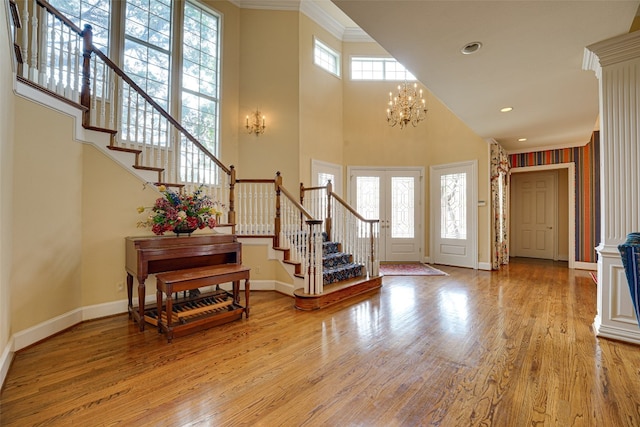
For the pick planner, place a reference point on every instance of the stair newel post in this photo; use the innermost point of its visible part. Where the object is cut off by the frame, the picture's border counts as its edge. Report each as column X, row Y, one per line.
column 374, row 254
column 276, row 230
column 328, row 221
column 85, row 93
column 313, row 281
column 302, row 194
column 232, row 199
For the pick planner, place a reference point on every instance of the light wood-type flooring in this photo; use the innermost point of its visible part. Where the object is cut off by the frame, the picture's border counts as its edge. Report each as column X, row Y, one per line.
column 475, row 348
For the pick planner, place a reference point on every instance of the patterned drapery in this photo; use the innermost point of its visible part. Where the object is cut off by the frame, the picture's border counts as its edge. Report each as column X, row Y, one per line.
column 499, row 205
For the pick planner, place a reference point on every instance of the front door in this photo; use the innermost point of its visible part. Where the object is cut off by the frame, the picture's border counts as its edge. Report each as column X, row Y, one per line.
column 454, row 214
column 394, row 197
column 533, row 226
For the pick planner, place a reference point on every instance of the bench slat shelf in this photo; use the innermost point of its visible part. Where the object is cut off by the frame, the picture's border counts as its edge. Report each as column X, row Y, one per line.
column 206, row 310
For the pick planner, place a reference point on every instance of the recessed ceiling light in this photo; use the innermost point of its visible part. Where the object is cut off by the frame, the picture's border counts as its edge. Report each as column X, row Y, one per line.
column 522, row 139
column 470, row 48
column 506, row 109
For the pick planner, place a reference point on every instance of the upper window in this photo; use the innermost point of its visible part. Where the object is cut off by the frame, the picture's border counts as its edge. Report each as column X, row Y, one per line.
column 364, row 68
column 326, row 58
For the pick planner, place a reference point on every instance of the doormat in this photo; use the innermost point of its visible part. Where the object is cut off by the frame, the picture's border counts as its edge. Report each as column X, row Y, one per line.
column 413, row 269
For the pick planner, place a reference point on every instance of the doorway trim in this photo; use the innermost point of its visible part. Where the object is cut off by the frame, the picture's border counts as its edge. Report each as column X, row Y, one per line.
column 571, row 180
column 473, row 215
column 421, row 192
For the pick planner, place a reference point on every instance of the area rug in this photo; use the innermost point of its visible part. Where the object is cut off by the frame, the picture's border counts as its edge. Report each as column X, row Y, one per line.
column 413, row 269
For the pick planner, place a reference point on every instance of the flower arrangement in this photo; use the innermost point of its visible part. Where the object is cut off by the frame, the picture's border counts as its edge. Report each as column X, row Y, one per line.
column 180, row 212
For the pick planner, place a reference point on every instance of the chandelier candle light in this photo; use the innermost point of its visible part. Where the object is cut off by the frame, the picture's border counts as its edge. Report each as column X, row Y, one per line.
column 408, row 107
column 255, row 124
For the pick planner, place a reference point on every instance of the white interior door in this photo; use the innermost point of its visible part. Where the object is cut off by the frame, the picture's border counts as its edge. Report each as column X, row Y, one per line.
column 533, row 226
column 394, row 197
column 454, row 214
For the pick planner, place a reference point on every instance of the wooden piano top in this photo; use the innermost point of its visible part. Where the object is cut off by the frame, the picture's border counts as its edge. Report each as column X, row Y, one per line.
column 153, row 254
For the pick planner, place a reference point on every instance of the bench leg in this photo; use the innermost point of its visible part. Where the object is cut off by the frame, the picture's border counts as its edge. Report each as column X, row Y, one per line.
column 169, row 308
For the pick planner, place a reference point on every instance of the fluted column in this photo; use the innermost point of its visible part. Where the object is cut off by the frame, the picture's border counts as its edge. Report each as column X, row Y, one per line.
column 616, row 62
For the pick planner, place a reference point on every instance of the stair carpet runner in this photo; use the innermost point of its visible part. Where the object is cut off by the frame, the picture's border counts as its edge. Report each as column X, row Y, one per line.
column 337, row 266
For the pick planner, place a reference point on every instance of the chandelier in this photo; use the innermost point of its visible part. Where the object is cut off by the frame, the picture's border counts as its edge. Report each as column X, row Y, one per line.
column 408, row 107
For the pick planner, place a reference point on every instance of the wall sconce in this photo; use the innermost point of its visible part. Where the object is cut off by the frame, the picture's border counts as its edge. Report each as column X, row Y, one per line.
column 255, row 123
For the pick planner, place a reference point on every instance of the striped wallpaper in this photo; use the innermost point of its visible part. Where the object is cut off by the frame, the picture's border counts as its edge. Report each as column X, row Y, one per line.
column 587, row 161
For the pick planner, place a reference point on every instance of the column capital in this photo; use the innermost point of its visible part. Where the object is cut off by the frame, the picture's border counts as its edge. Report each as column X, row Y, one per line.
column 611, row 51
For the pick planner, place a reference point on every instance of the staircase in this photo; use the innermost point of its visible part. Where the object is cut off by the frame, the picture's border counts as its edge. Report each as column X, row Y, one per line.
column 165, row 153
column 337, row 266
column 342, row 279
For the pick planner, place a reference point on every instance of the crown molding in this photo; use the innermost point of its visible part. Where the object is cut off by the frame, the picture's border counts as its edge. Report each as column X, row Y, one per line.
column 314, row 12
column 612, row 51
column 546, row 148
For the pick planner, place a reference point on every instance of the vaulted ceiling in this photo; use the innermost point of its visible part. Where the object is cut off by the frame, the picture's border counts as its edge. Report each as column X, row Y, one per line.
column 531, row 60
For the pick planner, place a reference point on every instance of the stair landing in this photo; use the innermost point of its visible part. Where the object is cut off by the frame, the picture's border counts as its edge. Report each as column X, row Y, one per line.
column 336, row 292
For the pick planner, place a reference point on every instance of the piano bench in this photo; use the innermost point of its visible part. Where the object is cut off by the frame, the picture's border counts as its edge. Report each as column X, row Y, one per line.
column 183, row 280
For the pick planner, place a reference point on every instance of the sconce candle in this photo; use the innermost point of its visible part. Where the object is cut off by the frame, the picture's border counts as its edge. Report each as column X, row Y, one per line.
column 253, row 123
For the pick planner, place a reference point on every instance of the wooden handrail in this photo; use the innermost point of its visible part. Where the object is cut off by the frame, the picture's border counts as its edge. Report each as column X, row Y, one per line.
column 295, row 203
column 353, row 211
column 161, row 110
column 15, row 16
column 256, row 181
column 60, row 16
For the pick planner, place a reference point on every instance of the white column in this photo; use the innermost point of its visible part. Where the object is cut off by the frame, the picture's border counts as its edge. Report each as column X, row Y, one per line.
column 616, row 62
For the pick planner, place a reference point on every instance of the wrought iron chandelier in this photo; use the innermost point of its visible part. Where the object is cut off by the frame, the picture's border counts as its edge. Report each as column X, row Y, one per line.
column 408, row 107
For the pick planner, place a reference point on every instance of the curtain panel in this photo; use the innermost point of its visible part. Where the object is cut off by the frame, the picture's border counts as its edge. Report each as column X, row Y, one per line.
column 499, row 205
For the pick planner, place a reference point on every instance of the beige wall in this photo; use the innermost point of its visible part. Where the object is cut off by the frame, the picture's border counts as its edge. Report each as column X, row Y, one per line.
column 6, row 179
column 110, row 197
column 440, row 139
column 320, row 103
column 47, row 216
column 269, row 75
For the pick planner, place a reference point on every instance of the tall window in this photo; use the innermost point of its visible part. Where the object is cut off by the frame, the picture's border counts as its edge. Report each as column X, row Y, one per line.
column 147, row 46
column 200, row 62
column 365, row 68
column 97, row 13
column 325, row 57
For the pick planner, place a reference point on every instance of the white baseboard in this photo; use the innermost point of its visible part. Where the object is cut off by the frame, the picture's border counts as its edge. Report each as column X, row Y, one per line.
column 5, row 361
column 484, row 266
column 618, row 334
column 51, row 327
column 579, row 265
column 45, row 329
column 284, row 288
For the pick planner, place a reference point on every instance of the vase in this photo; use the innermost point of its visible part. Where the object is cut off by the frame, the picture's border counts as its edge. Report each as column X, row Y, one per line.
column 630, row 253
column 181, row 229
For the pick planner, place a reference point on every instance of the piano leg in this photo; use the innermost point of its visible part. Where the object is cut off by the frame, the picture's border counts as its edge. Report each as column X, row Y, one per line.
column 130, row 293
column 247, row 289
column 141, row 295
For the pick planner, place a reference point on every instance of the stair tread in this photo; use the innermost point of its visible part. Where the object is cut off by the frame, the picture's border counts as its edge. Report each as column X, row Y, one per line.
column 148, row 168
column 99, row 129
column 124, row 149
column 168, row 184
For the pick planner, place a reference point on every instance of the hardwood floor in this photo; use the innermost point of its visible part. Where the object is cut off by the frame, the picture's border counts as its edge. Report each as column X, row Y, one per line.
column 475, row 348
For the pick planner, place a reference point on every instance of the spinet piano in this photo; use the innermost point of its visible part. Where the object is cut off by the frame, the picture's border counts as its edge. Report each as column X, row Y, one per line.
column 155, row 254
